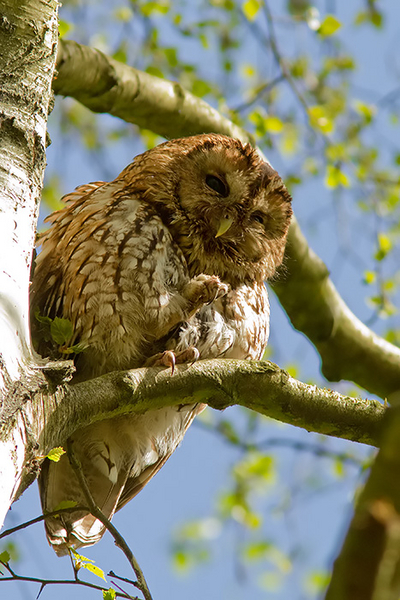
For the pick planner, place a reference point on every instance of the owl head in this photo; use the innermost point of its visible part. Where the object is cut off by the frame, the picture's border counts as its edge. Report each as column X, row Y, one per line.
column 227, row 209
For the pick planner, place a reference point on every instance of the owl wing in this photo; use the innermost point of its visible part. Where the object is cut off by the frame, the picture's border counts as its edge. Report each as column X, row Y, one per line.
column 134, row 485
column 48, row 286
column 118, row 458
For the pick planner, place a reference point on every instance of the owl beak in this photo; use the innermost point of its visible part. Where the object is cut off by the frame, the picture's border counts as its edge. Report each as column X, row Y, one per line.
column 224, row 225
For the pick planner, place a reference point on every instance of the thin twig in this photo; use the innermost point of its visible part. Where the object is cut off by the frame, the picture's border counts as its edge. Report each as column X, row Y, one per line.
column 263, row 90
column 41, row 518
column 317, row 449
column 278, row 58
column 96, row 512
column 44, row 582
column 125, row 579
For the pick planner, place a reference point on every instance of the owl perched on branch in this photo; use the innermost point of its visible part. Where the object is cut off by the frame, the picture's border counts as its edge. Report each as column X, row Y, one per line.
column 166, row 264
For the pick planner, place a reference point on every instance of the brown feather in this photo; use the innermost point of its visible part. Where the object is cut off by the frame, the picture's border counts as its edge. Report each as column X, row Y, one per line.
column 137, row 267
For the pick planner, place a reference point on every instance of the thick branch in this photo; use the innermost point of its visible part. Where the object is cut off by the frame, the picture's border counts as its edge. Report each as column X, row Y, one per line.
column 260, row 386
column 108, row 86
column 368, row 567
column 348, row 349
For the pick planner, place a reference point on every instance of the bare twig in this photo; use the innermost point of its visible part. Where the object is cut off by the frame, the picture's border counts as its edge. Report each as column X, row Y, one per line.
column 273, row 43
column 96, row 512
column 263, row 90
column 44, row 582
column 317, row 449
column 38, row 519
column 125, row 579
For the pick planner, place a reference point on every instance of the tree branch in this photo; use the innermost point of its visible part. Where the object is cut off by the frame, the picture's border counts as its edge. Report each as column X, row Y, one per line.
column 368, row 567
column 107, row 86
column 260, row 386
column 348, row 349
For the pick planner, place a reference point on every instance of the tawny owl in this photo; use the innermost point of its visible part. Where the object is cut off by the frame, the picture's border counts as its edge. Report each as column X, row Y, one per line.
column 166, row 263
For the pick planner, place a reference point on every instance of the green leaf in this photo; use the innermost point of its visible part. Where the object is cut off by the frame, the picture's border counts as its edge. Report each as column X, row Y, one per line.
column 4, row 557
column 80, row 557
column 256, row 550
column 61, row 330
column 65, row 504
column 123, row 13
column 155, row 71
column 338, row 468
column 151, row 8
column 251, row 8
column 227, row 429
column 181, row 560
column 55, row 454
column 335, row 152
column 76, row 348
column 370, row 16
column 273, row 124
column 368, row 111
column 320, row 118
column 384, row 247
column 297, row 8
column 64, row 27
column 317, row 582
column 95, row 570
column 171, row 56
column 10, row 551
column 329, row 26
column 376, row 19
column 109, row 594
column 51, row 193
column 200, row 88
column 335, row 177
column 120, row 55
column 369, row 277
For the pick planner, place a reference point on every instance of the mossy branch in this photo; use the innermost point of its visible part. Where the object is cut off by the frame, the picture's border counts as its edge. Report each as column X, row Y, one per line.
column 260, row 386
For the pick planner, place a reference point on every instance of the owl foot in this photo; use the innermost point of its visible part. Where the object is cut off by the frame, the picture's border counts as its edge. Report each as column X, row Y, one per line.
column 168, row 358
column 204, row 289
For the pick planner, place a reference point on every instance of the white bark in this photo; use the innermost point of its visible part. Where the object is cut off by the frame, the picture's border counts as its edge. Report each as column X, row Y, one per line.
column 28, row 41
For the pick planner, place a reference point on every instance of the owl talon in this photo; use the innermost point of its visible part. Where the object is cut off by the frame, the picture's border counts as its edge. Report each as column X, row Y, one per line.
column 168, row 358
column 163, row 359
column 189, row 356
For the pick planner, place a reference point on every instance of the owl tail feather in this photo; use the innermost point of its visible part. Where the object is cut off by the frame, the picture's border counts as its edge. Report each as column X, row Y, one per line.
column 59, row 487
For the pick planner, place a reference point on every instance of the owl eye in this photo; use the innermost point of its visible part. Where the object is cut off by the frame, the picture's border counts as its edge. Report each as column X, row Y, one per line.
column 218, row 185
column 258, row 217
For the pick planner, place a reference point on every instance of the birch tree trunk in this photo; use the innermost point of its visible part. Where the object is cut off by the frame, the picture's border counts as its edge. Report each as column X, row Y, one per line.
column 28, row 42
